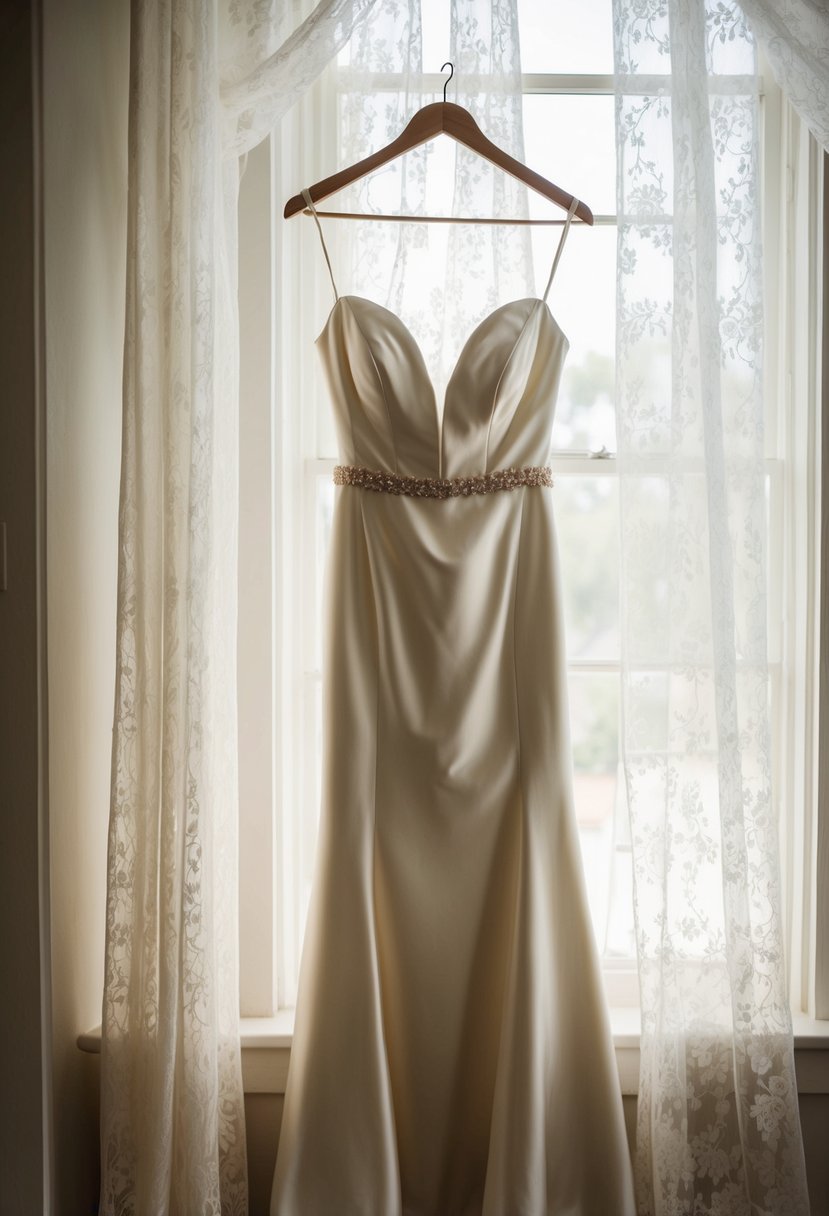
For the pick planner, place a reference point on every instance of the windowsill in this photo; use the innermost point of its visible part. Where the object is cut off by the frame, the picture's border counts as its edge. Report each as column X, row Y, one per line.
column 266, row 1046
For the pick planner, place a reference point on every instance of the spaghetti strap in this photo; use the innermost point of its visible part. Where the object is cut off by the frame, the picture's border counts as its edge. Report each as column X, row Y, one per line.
column 306, row 195
column 570, row 214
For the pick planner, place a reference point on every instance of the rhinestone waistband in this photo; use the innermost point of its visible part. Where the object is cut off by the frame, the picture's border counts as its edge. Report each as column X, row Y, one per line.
column 442, row 487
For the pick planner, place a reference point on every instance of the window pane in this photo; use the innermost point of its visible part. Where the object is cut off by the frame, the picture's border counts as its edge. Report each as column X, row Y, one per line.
column 436, row 35
column 587, row 524
column 582, row 299
column 620, row 933
column 569, row 139
column 600, row 810
column 570, row 36
column 303, row 827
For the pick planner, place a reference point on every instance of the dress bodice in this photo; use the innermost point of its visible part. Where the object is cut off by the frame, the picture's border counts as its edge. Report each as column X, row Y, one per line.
column 499, row 403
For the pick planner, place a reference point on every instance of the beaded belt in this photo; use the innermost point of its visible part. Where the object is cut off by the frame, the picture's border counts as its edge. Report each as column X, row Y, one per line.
column 442, row 487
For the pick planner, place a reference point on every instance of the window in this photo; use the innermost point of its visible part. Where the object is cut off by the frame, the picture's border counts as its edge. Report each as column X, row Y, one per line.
column 287, row 496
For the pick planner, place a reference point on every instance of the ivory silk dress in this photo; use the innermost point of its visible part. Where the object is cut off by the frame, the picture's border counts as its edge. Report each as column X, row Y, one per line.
column 452, row 1052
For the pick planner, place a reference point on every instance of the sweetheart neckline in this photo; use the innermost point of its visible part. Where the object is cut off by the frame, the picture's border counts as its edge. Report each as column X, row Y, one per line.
column 489, row 317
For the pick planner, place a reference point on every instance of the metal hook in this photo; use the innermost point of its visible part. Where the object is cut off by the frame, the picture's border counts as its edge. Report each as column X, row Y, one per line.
column 446, row 65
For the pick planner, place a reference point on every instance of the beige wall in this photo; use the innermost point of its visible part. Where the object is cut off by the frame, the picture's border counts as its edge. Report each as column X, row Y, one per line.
column 85, row 71
column 24, row 1066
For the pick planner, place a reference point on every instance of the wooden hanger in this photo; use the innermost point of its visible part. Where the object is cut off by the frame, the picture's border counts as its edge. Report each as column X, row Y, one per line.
column 431, row 120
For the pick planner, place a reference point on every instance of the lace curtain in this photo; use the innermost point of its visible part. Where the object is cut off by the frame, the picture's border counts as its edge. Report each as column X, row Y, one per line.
column 207, row 78
column 718, row 1125
column 795, row 36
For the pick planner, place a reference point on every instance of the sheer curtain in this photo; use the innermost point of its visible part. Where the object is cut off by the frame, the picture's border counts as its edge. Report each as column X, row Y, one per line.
column 795, row 36
column 442, row 279
column 718, row 1125
column 208, row 78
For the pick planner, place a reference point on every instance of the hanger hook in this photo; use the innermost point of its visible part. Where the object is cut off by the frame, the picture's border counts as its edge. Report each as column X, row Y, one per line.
column 451, row 67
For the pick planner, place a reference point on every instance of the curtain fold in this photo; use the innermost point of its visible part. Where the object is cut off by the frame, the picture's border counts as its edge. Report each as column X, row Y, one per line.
column 718, row 1125
column 207, row 78
column 268, row 61
column 795, row 36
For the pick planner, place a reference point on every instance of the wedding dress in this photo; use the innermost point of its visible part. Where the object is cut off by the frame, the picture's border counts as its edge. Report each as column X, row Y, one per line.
column 452, row 1052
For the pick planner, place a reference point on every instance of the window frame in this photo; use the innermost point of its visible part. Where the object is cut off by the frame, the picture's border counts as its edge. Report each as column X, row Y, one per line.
column 270, row 278
column 796, row 350
column 819, row 988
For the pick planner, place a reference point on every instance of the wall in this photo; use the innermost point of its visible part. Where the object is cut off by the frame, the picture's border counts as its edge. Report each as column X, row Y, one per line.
column 24, row 1150
column 86, row 73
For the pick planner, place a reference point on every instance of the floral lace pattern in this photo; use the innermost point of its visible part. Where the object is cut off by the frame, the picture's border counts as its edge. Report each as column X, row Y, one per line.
column 718, row 1125
column 795, row 36
column 266, row 64
column 172, row 1109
